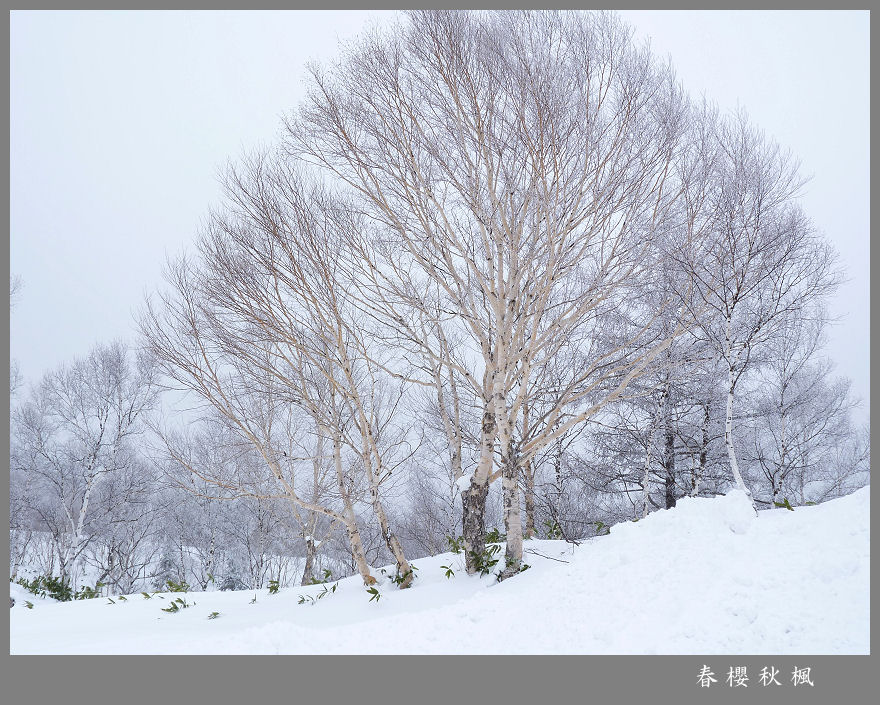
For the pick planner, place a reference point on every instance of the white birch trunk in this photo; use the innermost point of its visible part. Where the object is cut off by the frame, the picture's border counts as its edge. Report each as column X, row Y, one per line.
column 512, row 516
column 728, row 434
column 354, row 536
column 728, row 440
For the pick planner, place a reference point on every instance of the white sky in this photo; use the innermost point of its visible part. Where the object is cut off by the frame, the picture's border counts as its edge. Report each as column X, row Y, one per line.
column 121, row 120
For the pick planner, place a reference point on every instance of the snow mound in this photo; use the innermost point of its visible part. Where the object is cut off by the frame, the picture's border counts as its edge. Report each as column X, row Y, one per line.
column 731, row 512
column 705, row 577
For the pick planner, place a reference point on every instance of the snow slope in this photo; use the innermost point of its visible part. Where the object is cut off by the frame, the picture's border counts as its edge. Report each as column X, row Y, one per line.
column 706, row 577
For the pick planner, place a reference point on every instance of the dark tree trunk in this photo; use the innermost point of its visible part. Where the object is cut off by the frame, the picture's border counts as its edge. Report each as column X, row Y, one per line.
column 670, row 491
column 669, row 463
column 473, row 505
column 704, row 445
column 473, row 499
column 529, row 476
column 309, row 570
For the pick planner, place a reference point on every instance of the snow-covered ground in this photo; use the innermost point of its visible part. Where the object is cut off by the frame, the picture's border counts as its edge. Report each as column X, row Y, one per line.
column 705, row 577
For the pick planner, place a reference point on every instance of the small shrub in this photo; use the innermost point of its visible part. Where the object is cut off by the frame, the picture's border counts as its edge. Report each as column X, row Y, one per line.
column 784, row 504
column 273, row 587
column 399, row 579
column 553, row 529
column 328, row 591
column 213, row 615
column 182, row 586
column 89, row 593
column 495, row 536
column 48, row 586
column 58, row 588
column 177, row 605
column 326, row 579
column 374, row 593
column 456, row 545
column 485, row 560
column 449, row 572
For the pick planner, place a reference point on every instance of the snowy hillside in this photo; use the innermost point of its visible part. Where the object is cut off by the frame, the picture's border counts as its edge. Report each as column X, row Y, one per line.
column 705, row 577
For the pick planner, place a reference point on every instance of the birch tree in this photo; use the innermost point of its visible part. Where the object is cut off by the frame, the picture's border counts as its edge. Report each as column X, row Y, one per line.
column 263, row 322
column 193, row 356
column 73, row 431
column 764, row 262
column 129, row 508
column 513, row 168
column 801, row 415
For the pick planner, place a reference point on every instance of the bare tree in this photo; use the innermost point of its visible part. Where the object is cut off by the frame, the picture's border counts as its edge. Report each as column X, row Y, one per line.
column 130, row 509
column 514, row 167
column 447, row 453
column 764, row 262
column 73, row 432
column 215, row 464
column 263, row 322
column 801, row 416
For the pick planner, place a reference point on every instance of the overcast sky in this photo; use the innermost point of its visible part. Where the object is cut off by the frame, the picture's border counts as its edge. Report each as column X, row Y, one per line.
column 121, row 120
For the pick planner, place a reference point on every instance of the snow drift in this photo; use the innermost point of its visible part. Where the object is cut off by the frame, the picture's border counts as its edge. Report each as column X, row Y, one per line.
column 705, row 577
